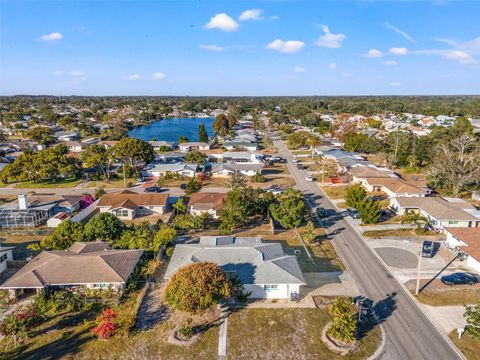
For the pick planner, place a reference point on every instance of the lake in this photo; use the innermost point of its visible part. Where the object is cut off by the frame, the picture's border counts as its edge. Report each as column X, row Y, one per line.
column 172, row 129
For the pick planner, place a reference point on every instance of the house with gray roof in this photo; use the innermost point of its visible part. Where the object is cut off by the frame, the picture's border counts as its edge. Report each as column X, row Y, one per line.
column 226, row 169
column 263, row 268
column 179, row 168
column 90, row 265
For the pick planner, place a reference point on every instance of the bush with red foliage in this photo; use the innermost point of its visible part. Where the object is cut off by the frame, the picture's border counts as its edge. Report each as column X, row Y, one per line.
column 106, row 327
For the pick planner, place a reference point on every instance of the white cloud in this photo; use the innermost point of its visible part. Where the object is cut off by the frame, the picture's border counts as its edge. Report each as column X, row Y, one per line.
column 158, row 76
column 330, row 40
column 58, row 72
column 222, row 22
column 332, row 65
column 299, row 69
column 398, row 31
column 374, row 53
column 52, row 36
column 461, row 56
column 399, row 51
column 289, row 46
column 78, row 75
column 133, row 77
column 390, row 63
column 395, row 84
column 345, row 74
column 212, row 47
column 252, row 14
column 274, row 17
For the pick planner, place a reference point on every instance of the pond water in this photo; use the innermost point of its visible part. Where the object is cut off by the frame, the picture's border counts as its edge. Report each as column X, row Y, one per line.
column 172, row 129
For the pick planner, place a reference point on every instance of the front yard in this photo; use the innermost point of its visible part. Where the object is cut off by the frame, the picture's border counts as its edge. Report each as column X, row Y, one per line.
column 287, row 334
column 64, row 183
column 468, row 345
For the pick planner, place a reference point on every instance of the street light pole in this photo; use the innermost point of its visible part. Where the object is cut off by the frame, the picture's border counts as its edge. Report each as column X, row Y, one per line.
column 417, row 289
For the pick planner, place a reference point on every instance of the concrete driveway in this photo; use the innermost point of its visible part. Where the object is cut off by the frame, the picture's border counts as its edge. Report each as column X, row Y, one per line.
column 335, row 283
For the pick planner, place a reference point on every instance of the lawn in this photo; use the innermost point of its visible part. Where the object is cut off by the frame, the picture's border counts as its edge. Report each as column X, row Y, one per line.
column 112, row 184
column 449, row 296
column 335, row 191
column 64, row 183
column 468, row 345
column 287, row 334
column 21, row 239
column 69, row 336
column 397, row 232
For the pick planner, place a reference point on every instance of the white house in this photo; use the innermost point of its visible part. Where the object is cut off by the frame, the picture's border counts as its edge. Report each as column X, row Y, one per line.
column 226, row 169
column 441, row 212
column 467, row 240
column 394, row 187
column 189, row 146
column 232, row 145
column 262, row 268
column 181, row 169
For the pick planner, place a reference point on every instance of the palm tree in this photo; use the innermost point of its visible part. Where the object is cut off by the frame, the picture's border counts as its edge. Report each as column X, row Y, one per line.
column 415, row 219
column 313, row 141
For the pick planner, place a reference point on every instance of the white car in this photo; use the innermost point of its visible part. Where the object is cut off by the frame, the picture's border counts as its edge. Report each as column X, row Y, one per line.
column 309, row 178
column 295, row 160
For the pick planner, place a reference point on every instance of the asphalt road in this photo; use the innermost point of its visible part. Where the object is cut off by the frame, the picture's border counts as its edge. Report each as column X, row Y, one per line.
column 409, row 333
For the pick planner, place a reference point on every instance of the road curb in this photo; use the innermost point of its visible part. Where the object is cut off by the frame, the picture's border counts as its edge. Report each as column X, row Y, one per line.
column 381, row 348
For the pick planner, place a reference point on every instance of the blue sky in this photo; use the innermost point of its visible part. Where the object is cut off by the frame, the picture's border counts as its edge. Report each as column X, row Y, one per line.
column 240, row 47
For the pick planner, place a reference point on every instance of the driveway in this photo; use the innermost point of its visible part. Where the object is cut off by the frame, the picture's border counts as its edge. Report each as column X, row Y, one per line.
column 336, row 283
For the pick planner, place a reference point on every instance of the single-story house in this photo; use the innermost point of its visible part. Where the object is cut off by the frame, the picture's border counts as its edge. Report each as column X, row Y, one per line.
column 90, row 265
column 31, row 211
column 127, row 205
column 76, row 146
column 441, row 212
column 262, row 268
column 189, row 146
column 345, row 160
column 394, row 187
column 67, row 135
column 232, row 145
column 6, row 254
column 360, row 173
column 241, row 157
column 206, row 202
column 467, row 240
column 157, row 145
column 226, row 169
column 181, row 169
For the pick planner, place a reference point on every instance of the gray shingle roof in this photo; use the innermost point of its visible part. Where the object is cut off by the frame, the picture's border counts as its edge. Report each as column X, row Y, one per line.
column 254, row 261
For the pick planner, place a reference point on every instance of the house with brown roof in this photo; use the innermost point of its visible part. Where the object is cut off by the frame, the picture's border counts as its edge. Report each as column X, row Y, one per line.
column 359, row 173
column 441, row 212
column 468, row 241
column 394, row 187
column 127, row 205
column 206, row 202
column 91, row 265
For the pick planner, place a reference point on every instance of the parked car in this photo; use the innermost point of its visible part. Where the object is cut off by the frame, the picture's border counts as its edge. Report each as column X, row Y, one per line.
column 460, row 278
column 353, row 213
column 322, row 212
column 295, row 160
column 183, row 186
column 275, row 191
column 155, row 189
column 428, row 249
column 309, row 178
column 336, row 180
column 300, row 166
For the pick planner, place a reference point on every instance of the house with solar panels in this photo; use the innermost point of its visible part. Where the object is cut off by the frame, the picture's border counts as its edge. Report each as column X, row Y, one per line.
column 264, row 270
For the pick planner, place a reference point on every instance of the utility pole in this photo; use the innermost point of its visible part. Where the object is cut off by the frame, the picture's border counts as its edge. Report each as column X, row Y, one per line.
column 124, row 177
column 417, row 289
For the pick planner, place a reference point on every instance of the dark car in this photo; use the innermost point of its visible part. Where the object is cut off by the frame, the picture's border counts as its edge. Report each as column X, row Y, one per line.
column 428, row 249
column 353, row 213
column 155, row 189
column 183, row 186
column 322, row 212
column 300, row 166
column 459, row 279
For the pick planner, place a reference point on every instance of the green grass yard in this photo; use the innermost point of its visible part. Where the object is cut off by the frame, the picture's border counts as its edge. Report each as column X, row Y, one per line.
column 64, row 183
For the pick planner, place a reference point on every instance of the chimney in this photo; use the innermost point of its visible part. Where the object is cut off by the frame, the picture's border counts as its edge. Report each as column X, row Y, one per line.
column 22, row 202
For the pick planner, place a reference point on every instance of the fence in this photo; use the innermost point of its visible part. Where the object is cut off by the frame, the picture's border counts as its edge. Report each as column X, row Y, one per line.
column 82, row 215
